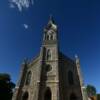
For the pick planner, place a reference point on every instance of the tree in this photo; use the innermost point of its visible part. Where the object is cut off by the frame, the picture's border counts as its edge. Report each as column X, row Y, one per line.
column 6, row 87
column 98, row 96
column 91, row 90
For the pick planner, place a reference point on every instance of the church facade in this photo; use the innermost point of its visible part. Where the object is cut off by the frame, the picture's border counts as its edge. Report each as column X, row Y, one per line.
column 51, row 75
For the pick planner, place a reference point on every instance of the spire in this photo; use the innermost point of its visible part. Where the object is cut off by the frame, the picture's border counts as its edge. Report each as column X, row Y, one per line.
column 77, row 59
column 50, row 31
column 25, row 61
column 83, row 88
column 79, row 70
column 51, row 20
column 51, row 25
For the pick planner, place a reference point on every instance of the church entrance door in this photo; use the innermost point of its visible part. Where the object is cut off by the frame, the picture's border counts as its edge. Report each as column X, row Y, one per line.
column 47, row 94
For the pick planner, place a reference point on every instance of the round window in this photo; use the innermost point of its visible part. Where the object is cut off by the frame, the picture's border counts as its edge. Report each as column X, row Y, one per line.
column 48, row 68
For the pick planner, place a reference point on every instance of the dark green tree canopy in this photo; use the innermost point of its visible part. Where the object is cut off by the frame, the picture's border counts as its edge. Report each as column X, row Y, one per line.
column 91, row 90
column 98, row 96
column 6, row 87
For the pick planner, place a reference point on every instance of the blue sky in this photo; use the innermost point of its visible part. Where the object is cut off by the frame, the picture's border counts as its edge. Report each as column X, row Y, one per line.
column 79, row 33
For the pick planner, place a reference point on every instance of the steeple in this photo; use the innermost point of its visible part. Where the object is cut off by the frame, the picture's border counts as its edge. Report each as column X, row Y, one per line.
column 50, row 31
column 51, row 20
column 50, row 41
column 79, row 70
column 83, row 88
column 77, row 60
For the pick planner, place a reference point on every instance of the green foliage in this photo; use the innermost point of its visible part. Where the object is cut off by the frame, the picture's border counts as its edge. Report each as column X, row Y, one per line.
column 91, row 90
column 98, row 96
column 6, row 87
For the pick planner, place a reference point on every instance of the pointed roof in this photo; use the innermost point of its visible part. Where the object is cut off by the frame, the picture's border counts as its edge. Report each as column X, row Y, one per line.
column 51, row 24
column 51, row 20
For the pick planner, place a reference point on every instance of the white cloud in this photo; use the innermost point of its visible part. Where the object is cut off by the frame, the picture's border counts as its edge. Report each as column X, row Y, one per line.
column 12, row 6
column 20, row 4
column 25, row 26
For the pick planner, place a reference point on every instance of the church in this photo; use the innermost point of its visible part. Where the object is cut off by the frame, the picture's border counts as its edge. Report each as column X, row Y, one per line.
column 51, row 75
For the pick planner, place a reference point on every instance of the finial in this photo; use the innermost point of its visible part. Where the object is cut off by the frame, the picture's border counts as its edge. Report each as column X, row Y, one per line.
column 76, row 56
column 51, row 19
column 77, row 59
column 25, row 61
column 51, row 16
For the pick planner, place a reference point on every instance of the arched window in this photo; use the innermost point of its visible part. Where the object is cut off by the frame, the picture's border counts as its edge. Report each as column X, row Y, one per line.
column 48, row 54
column 44, row 53
column 70, row 78
column 28, row 78
column 47, row 37
column 47, row 95
column 51, row 37
column 25, row 96
column 48, row 68
column 73, row 97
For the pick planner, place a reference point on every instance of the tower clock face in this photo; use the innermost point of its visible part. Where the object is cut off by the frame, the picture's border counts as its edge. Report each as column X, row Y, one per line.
column 48, row 68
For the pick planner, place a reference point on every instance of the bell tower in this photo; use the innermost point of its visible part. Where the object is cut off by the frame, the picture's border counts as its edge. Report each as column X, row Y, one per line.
column 50, row 31
column 49, row 80
column 50, row 41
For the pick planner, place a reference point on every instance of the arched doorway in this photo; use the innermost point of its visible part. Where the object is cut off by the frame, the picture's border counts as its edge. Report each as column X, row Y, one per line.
column 73, row 97
column 25, row 96
column 47, row 95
